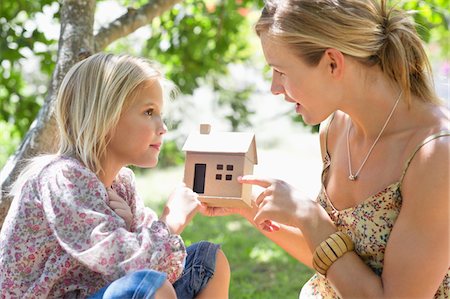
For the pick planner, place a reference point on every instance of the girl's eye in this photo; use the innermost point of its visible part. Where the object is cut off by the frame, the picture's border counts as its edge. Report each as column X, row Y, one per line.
column 149, row 112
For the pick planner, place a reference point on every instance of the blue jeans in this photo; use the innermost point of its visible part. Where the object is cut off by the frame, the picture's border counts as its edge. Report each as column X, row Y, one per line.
column 143, row 284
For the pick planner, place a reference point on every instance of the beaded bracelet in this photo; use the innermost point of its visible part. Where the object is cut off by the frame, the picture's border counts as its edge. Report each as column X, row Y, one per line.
column 335, row 246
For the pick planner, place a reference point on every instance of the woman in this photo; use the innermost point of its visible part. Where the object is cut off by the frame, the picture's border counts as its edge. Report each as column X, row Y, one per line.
column 380, row 225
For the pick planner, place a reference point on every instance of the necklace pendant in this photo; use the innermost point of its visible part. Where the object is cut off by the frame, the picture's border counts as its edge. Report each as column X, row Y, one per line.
column 352, row 177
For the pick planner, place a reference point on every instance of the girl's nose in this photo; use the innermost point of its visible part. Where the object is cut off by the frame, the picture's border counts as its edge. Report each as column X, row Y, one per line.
column 162, row 128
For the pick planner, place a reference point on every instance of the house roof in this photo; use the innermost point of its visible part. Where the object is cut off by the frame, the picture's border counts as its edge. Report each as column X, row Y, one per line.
column 223, row 142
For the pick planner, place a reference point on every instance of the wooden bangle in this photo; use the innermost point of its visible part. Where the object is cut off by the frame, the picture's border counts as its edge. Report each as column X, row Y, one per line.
column 339, row 242
column 335, row 246
column 348, row 242
column 322, row 256
column 328, row 251
column 319, row 269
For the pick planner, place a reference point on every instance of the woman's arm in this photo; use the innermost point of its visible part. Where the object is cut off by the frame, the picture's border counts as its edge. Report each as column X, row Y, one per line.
column 416, row 257
column 417, row 253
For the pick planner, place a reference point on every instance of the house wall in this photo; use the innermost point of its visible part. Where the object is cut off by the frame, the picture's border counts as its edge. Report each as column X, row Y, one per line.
column 247, row 188
column 214, row 187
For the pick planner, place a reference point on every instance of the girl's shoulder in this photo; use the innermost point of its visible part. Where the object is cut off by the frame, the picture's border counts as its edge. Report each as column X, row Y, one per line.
column 56, row 165
column 125, row 176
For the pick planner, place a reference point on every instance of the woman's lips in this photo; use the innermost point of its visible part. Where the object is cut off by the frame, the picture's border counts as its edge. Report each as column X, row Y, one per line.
column 298, row 108
column 156, row 146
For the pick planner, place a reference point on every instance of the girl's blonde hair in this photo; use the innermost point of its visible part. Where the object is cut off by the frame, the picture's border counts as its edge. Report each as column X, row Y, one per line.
column 90, row 101
column 366, row 30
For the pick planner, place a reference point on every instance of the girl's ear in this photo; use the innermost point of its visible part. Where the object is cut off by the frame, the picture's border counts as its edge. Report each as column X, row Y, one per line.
column 335, row 62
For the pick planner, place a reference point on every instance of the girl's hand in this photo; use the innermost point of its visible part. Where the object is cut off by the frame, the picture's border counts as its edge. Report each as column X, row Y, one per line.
column 278, row 202
column 181, row 207
column 248, row 213
column 120, row 207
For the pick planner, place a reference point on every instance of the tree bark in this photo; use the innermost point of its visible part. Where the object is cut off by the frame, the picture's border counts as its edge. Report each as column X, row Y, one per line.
column 76, row 42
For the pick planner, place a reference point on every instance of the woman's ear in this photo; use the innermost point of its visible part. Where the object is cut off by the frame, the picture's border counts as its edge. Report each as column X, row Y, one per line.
column 335, row 62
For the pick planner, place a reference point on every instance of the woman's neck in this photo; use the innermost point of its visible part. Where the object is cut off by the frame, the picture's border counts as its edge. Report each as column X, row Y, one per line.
column 369, row 100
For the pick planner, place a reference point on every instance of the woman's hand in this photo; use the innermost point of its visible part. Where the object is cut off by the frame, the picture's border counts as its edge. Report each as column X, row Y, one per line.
column 181, row 207
column 278, row 202
column 120, row 207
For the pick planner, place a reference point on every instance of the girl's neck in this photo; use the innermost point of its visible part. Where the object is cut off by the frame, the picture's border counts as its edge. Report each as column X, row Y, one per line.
column 109, row 172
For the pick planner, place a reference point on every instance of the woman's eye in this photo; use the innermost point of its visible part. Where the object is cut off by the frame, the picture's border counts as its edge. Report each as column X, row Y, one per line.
column 279, row 73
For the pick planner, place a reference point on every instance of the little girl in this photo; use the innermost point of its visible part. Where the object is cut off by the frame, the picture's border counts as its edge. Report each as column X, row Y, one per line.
column 76, row 227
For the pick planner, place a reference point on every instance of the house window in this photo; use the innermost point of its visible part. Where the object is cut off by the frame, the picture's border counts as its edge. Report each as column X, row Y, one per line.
column 228, row 177
column 229, row 167
column 218, row 177
column 219, row 166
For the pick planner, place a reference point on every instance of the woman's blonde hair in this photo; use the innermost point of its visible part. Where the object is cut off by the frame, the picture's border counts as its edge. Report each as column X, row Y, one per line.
column 90, row 101
column 367, row 30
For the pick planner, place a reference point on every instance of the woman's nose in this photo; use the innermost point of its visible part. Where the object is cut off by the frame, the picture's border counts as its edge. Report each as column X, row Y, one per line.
column 276, row 88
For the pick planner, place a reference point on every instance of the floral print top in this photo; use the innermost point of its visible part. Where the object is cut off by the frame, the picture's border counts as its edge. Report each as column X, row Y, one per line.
column 61, row 239
column 369, row 224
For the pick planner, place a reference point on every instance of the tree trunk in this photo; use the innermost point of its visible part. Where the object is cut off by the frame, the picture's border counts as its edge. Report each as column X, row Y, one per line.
column 76, row 42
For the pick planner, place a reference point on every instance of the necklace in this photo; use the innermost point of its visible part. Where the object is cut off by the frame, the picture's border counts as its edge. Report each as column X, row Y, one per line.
column 353, row 177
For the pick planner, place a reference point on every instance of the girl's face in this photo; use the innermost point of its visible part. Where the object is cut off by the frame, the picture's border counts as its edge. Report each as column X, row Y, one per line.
column 138, row 137
column 304, row 85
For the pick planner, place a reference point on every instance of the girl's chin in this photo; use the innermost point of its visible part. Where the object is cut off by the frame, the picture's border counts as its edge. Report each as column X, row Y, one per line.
column 148, row 164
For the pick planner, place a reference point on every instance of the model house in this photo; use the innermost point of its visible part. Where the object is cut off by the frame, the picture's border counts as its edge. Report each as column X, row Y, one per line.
column 214, row 160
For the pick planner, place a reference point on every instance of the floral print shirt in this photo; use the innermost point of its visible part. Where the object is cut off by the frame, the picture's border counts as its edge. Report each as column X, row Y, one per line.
column 369, row 224
column 61, row 239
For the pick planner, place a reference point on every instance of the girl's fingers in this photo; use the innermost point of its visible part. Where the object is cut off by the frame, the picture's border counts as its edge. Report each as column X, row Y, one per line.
column 118, row 205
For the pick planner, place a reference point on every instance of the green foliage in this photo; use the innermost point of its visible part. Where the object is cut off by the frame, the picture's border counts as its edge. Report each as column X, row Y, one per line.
column 199, row 39
column 9, row 140
column 433, row 21
column 237, row 101
column 21, row 95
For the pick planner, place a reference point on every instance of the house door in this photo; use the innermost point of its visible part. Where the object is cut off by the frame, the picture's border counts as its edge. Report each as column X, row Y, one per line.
column 199, row 178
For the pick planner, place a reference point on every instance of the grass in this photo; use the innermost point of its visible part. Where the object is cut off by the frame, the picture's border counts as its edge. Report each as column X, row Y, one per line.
column 259, row 268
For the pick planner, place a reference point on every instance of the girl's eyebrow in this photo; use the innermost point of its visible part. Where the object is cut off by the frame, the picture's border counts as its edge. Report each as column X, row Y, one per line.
column 150, row 104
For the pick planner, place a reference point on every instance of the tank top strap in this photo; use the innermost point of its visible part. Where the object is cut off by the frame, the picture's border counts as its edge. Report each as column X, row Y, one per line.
column 327, row 128
column 428, row 139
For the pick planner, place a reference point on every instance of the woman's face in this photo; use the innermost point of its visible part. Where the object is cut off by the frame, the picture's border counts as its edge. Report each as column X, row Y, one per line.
column 138, row 137
column 304, row 85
